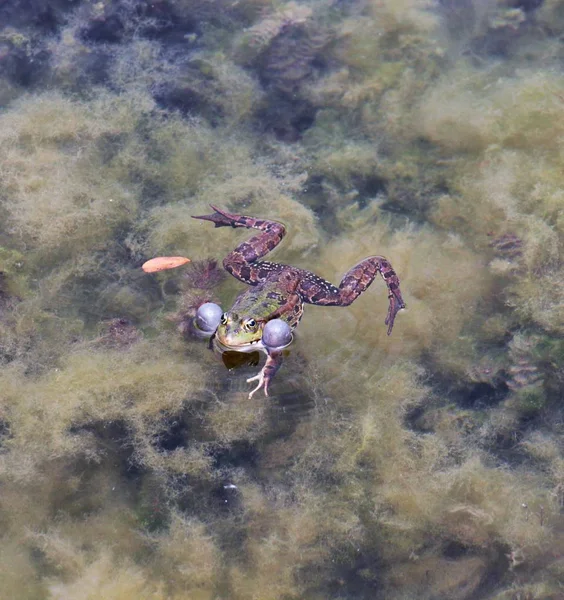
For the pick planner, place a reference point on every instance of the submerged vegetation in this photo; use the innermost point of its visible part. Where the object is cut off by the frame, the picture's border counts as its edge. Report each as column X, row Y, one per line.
column 428, row 464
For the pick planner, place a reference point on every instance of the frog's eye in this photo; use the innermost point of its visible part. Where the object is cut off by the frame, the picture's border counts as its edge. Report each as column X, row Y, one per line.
column 223, row 319
column 250, row 325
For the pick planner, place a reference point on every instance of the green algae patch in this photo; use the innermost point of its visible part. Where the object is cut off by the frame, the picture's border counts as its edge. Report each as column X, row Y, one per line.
column 423, row 464
column 171, row 228
column 47, row 416
column 13, row 278
column 104, row 578
column 440, row 277
column 55, row 185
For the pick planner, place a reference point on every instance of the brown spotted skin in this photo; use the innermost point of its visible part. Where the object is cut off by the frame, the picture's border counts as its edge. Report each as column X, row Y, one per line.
column 296, row 286
column 280, row 291
column 241, row 261
column 315, row 290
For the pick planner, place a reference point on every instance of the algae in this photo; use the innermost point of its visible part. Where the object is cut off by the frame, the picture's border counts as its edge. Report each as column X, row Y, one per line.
column 428, row 464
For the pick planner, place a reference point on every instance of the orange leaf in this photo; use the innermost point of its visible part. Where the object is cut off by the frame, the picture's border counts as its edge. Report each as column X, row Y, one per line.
column 162, row 263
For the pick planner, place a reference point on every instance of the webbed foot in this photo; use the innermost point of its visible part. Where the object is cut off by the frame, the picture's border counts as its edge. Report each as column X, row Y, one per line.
column 273, row 363
column 262, row 383
column 220, row 218
column 396, row 304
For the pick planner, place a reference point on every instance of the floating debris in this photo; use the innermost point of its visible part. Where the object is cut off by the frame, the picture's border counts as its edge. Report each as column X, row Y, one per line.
column 162, row 263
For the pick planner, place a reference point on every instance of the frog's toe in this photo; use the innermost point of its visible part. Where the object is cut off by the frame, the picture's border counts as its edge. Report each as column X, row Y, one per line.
column 219, row 218
column 261, row 383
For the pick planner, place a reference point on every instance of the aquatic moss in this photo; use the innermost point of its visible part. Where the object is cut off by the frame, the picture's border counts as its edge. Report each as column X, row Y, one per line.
column 54, row 184
column 514, row 122
column 385, row 58
column 379, row 467
column 13, row 280
column 18, row 572
column 106, row 578
column 496, row 193
column 89, row 387
column 470, row 111
column 441, row 279
column 171, row 228
column 288, row 538
column 189, row 555
column 551, row 16
column 33, row 337
column 237, row 419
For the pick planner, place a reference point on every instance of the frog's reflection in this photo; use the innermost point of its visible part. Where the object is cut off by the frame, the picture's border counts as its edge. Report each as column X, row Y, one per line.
column 235, row 360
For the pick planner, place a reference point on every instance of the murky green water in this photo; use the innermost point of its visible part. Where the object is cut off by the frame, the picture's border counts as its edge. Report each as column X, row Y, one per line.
column 424, row 465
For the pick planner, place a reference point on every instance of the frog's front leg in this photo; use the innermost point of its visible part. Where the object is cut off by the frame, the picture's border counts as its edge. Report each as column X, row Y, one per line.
column 315, row 290
column 273, row 363
column 242, row 262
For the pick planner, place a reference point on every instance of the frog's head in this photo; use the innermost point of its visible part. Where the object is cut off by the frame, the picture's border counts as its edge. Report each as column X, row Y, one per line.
column 241, row 334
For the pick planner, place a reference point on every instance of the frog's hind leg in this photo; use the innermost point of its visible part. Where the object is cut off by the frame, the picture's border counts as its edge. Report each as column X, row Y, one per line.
column 315, row 290
column 242, row 262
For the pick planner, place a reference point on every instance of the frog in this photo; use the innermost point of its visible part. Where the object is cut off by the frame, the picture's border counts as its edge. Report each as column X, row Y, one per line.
column 278, row 293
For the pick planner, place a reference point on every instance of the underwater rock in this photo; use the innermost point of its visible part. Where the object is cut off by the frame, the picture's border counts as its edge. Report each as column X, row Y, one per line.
column 21, row 62
column 290, row 59
column 45, row 16
column 104, row 24
column 488, row 28
column 284, row 49
column 257, row 39
column 288, row 118
column 209, row 86
column 186, row 93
